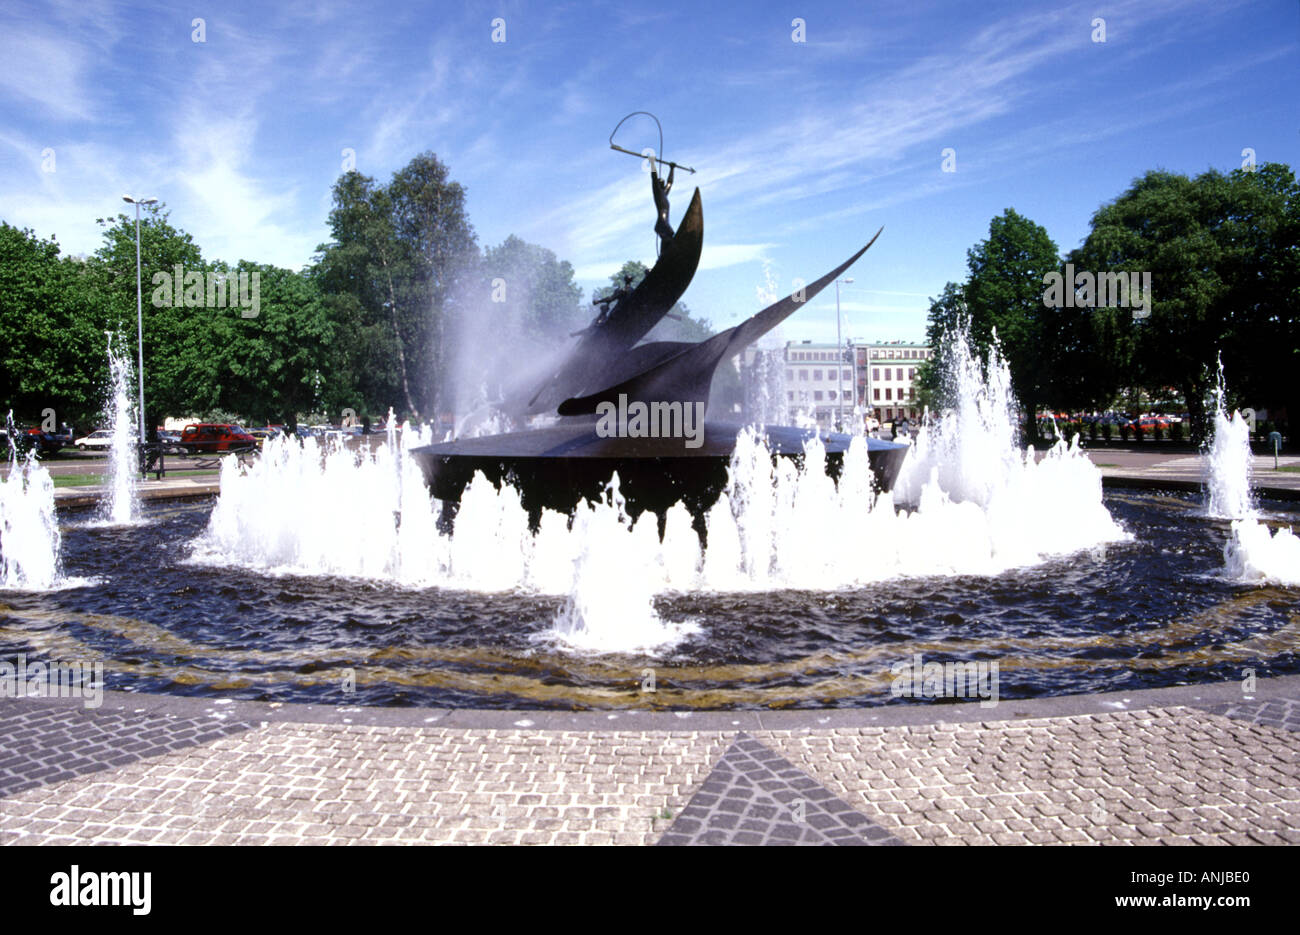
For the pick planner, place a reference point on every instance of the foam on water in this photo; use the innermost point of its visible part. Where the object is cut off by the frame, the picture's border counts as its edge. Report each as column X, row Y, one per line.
column 610, row 598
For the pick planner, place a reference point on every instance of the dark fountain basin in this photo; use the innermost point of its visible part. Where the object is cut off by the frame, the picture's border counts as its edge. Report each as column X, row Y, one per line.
column 558, row 467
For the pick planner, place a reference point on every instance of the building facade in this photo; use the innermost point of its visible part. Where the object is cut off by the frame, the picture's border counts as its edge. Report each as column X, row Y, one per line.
column 819, row 381
column 825, row 383
column 887, row 384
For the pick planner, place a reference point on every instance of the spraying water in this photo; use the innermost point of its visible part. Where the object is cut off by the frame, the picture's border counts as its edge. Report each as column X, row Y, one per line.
column 765, row 392
column 980, row 507
column 1228, row 462
column 1253, row 553
column 29, row 534
column 121, row 504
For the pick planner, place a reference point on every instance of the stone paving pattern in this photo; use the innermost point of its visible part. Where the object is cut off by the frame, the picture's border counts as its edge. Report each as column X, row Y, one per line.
column 754, row 796
column 1283, row 713
column 1160, row 775
column 43, row 745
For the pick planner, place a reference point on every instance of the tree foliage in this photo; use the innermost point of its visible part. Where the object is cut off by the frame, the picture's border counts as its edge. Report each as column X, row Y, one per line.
column 1223, row 256
column 51, row 335
column 400, row 259
column 1002, row 296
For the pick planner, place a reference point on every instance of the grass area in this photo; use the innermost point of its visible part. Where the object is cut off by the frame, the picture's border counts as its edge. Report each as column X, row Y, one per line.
column 91, row 480
column 1103, row 464
column 1290, row 468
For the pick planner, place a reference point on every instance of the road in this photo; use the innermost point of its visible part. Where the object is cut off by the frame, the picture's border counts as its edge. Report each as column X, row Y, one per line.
column 71, row 461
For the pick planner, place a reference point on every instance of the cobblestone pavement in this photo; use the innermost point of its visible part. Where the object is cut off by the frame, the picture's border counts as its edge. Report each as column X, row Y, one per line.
column 1087, row 770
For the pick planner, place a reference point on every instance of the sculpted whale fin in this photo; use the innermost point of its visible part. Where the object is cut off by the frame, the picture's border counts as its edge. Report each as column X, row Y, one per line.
column 688, row 374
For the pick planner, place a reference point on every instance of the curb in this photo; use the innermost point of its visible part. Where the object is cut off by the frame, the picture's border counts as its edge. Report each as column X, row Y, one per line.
column 899, row 715
column 1131, row 482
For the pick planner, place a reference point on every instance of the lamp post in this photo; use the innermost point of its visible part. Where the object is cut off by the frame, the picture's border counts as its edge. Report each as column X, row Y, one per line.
column 139, row 304
column 839, row 352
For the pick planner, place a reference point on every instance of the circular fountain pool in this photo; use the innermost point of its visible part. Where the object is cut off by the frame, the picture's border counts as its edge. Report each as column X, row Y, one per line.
column 1154, row 610
column 322, row 576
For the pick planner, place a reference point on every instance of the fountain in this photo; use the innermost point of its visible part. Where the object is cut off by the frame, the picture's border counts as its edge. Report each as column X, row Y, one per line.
column 1228, row 462
column 318, row 566
column 122, row 505
column 671, row 455
column 768, row 567
column 1253, row 553
column 29, row 534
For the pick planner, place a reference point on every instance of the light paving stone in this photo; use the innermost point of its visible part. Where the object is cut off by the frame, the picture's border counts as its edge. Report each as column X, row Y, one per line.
column 1221, row 774
column 244, row 784
column 1152, row 766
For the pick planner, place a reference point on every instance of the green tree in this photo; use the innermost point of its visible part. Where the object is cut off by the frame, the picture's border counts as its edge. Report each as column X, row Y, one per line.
column 535, row 296
column 1222, row 257
column 404, row 253
column 1003, row 296
column 175, row 349
column 52, row 345
column 271, row 366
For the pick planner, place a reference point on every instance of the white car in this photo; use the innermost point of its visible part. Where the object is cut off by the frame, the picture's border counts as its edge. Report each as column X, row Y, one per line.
column 101, row 439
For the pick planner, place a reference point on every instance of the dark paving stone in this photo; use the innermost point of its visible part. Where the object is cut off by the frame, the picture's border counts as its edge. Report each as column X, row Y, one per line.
column 47, row 743
column 1279, row 713
column 755, row 796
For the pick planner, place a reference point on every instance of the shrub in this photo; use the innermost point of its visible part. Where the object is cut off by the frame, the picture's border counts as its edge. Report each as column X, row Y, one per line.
column 1176, row 431
column 1107, row 431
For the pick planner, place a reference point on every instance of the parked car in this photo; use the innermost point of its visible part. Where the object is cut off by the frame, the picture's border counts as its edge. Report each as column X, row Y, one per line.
column 171, row 443
column 99, row 440
column 213, row 437
column 1147, row 423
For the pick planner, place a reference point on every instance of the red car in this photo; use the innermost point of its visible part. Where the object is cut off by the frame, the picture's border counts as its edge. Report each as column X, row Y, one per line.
column 213, row 437
column 1154, row 422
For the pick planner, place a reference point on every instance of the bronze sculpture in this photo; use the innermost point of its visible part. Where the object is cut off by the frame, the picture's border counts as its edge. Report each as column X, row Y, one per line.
column 558, row 466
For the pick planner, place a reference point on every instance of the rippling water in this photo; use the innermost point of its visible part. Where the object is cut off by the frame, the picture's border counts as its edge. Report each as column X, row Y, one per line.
column 1156, row 610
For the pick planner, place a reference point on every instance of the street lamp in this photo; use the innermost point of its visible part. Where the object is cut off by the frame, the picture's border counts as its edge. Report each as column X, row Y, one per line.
column 839, row 350
column 139, row 304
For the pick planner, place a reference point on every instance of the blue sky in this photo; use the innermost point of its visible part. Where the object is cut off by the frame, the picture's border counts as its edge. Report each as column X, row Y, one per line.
column 803, row 148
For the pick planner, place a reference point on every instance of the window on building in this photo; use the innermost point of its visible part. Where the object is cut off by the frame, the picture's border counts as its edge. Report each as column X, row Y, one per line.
column 790, row 395
column 846, row 374
column 875, row 394
column 911, row 373
column 875, row 374
column 911, row 392
column 817, row 395
column 817, row 374
column 803, row 375
column 889, row 393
